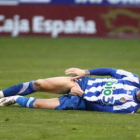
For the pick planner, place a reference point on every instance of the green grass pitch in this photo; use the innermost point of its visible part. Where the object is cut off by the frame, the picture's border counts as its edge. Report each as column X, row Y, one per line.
column 25, row 59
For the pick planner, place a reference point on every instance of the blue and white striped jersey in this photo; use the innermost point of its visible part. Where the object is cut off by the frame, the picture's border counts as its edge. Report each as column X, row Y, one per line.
column 115, row 94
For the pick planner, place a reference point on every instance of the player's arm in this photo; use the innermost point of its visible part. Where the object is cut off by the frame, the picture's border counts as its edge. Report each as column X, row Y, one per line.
column 99, row 72
column 116, row 73
column 128, row 108
column 76, row 90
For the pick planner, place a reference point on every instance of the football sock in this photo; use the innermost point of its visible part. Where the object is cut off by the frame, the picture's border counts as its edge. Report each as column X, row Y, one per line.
column 19, row 89
column 25, row 102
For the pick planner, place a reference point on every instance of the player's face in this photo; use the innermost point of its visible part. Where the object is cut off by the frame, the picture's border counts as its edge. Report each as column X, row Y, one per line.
column 138, row 95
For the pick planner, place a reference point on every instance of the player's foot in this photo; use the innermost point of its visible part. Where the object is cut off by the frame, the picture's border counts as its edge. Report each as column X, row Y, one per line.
column 1, row 94
column 7, row 101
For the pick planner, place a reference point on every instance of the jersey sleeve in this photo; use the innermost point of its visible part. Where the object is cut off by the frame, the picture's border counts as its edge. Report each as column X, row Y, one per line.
column 122, row 74
column 126, row 108
column 118, row 74
column 102, row 71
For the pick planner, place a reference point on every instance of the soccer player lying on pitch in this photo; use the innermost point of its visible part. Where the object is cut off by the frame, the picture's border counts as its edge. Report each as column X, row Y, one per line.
column 119, row 93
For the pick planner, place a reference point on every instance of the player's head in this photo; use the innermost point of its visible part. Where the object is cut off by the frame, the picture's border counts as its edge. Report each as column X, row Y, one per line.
column 138, row 95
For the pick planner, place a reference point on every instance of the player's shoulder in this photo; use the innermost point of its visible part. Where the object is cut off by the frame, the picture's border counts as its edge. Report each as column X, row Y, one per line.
column 129, row 76
column 126, row 73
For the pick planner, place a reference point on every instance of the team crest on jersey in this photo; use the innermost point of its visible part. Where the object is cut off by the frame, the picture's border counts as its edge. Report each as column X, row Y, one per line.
column 123, row 99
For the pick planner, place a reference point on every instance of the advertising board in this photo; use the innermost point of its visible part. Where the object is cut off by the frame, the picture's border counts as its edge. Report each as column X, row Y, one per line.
column 73, row 2
column 55, row 21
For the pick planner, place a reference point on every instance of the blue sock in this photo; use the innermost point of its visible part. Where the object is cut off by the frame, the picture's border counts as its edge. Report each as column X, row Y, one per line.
column 25, row 102
column 19, row 89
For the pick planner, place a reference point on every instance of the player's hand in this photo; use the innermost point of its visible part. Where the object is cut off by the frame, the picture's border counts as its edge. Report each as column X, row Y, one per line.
column 76, row 71
column 76, row 90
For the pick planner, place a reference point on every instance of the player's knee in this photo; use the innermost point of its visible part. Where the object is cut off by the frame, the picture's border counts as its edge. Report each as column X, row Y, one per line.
column 38, row 84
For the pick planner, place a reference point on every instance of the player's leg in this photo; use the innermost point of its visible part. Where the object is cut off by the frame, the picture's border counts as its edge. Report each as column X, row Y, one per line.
column 47, row 103
column 19, row 89
column 57, row 85
column 53, row 85
column 66, row 102
column 30, row 102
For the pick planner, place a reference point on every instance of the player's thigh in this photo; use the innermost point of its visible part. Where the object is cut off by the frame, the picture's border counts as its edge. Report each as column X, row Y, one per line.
column 47, row 103
column 55, row 84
